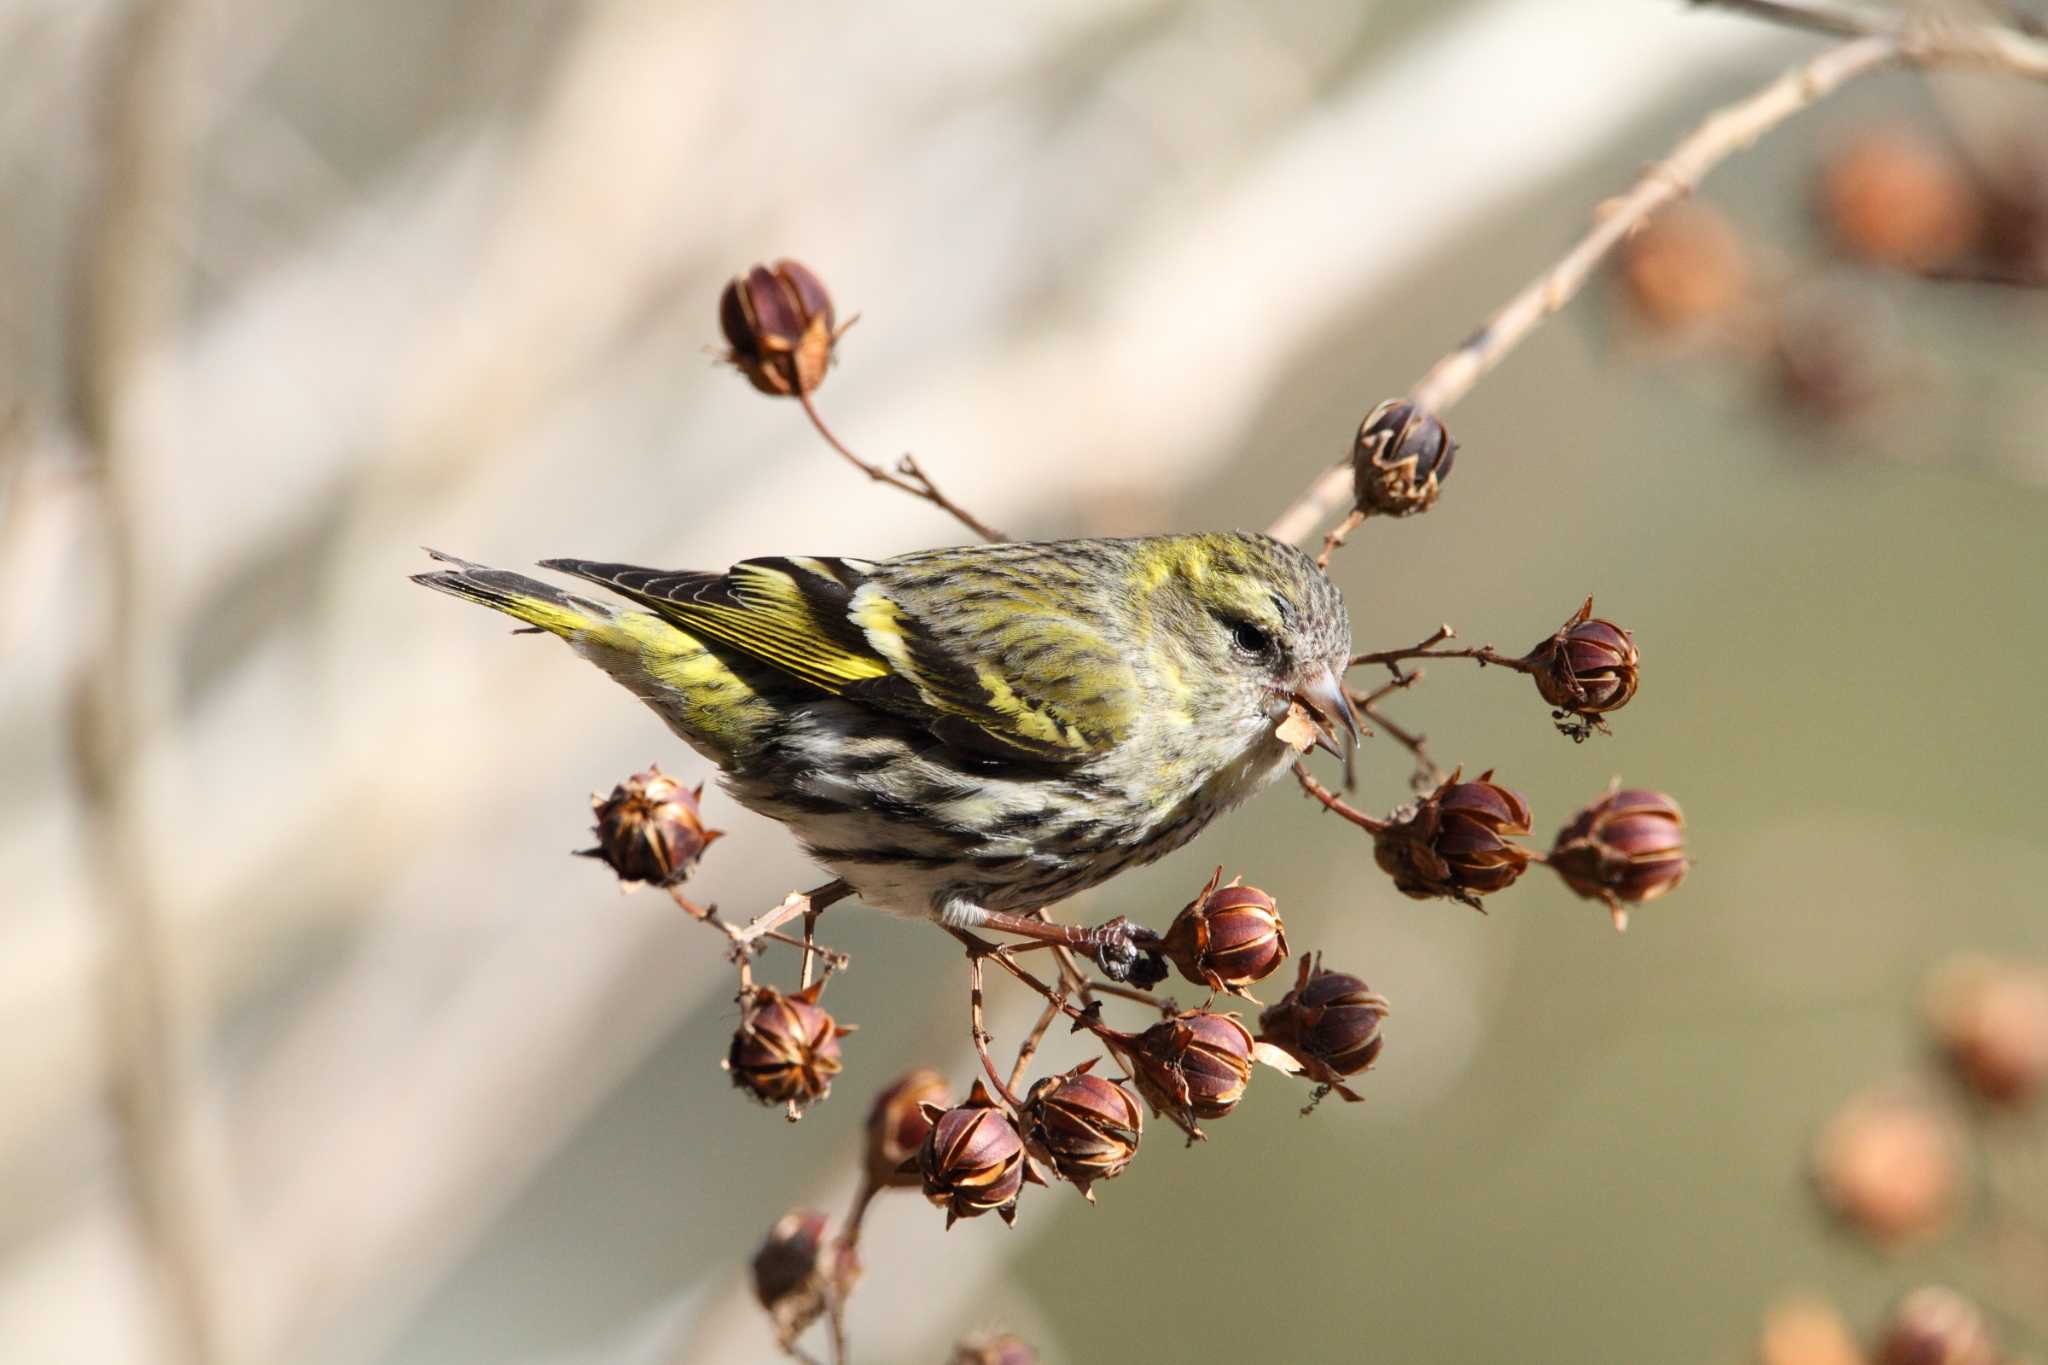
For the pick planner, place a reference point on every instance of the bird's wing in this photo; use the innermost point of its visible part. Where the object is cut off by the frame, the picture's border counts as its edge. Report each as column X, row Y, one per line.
column 984, row 671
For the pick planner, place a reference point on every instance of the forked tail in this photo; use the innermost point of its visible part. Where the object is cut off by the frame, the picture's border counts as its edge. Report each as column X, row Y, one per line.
column 540, row 605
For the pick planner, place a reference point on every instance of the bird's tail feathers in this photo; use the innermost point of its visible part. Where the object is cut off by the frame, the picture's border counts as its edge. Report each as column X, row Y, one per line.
column 541, row 606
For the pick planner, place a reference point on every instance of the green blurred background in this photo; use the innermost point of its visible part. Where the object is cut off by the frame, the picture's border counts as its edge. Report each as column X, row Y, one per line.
column 448, row 274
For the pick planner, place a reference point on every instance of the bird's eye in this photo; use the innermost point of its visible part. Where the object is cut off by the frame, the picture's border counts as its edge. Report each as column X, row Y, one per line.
column 1250, row 638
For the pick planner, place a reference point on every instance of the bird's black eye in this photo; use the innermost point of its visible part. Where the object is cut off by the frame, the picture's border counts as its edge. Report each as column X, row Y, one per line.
column 1250, row 638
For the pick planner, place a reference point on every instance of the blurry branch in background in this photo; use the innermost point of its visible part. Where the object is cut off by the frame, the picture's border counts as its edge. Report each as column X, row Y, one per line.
column 128, row 289
column 1884, row 42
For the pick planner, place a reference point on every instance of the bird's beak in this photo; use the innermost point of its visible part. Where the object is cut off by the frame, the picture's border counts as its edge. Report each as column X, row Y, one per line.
column 1321, row 694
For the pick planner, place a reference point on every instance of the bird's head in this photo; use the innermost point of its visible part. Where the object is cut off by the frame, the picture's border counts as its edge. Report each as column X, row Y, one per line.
column 1264, row 624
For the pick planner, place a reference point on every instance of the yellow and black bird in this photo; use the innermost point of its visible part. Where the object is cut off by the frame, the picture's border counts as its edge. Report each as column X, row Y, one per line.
column 969, row 734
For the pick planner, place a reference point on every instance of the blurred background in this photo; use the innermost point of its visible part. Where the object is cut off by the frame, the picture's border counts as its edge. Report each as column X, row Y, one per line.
column 299, row 986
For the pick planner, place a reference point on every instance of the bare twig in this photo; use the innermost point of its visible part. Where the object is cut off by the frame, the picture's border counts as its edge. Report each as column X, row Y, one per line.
column 1723, row 133
column 1029, row 1049
column 129, row 294
column 909, row 475
column 1427, row 772
column 1333, row 802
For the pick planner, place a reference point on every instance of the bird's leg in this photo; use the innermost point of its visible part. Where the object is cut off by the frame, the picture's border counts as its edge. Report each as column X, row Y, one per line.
column 1125, row 951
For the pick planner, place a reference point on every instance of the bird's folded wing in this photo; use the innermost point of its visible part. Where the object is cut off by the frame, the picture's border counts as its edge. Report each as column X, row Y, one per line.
column 1024, row 683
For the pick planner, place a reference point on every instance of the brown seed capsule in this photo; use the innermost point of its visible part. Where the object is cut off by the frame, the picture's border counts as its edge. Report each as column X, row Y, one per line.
column 1685, row 267
column 650, row 829
column 1587, row 668
column 1627, row 847
column 1937, row 1326
column 1887, row 1167
column 1227, row 938
column 1400, row 459
column 1329, row 1024
column 799, row 1272
column 1084, row 1127
column 1454, row 841
column 1195, row 1065
column 779, row 322
column 1000, row 1349
column 786, row 1049
column 1898, row 198
column 1990, row 1020
column 897, row 1125
column 973, row 1160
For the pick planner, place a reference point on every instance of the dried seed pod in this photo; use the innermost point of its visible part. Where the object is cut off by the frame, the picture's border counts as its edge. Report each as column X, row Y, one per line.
column 1399, row 460
column 973, row 1159
column 1937, row 1326
column 1684, row 268
column 799, row 1273
column 786, row 1049
column 1227, row 938
column 1085, row 1127
column 650, row 829
column 1626, row 848
column 1454, row 842
column 1002, row 1348
column 1990, row 1020
column 1193, row 1066
column 779, row 322
column 1896, row 197
column 897, row 1125
column 1887, row 1166
column 1329, row 1025
column 1587, row 668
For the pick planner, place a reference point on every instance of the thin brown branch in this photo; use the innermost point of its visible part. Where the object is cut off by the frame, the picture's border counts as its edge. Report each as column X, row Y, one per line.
column 1136, row 996
column 1485, row 654
column 1333, row 802
column 1722, row 134
column 1428, row 773
column 909, row 475
column 1029, row 1048
column 976, row 1018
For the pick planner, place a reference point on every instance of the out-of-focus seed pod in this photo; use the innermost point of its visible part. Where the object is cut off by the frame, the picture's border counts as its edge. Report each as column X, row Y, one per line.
column 799, row 1272
column 1897, row 198
column 1887, row 1167
column 1990, row 1020
column 1193, row 1066
column 1807, row 1331
column 897, row 1124
column 1329, row 1025
column 2016, row 218
column 1085, row 1127
column 786, row 1049
column 1002, row 1348
column 650, row 829
column 1400, row 459
column 1937, row 1326
column 1454, row 842
column 1626, row 848
column 1588, row 667
column 779, row 322
column 1685, row 268
column 973, row 1160
column 1227, row 938
column 1838, row 352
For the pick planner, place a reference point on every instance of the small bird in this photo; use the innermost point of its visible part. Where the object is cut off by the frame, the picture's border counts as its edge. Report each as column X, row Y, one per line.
column 972, row 734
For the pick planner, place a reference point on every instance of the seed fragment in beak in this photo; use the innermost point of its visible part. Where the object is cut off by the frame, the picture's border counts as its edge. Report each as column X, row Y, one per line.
column 1321, row 695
